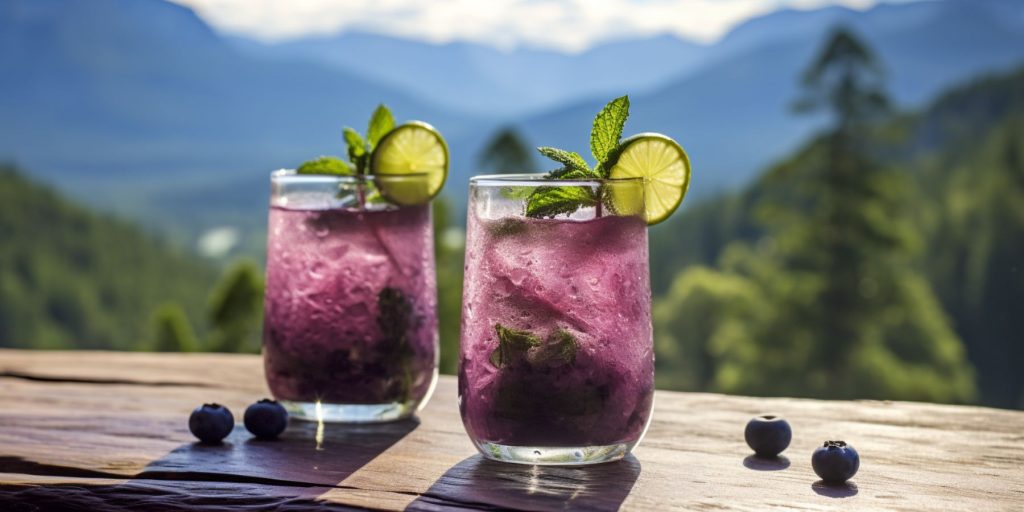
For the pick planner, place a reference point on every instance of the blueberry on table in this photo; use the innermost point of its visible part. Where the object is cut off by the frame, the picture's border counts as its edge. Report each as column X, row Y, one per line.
column 211, row 422
column 835, row 461
column 768, row 435
column 266, row 419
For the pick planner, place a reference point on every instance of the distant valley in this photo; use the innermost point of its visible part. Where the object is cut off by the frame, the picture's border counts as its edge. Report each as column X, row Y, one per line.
column 138, row 106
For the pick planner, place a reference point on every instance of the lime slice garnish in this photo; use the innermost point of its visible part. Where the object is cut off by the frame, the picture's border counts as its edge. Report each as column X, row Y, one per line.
column 664, row 167
column 414, row 148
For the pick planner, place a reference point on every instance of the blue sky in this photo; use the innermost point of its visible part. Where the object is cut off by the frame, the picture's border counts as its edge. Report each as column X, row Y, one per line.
column 570, row 25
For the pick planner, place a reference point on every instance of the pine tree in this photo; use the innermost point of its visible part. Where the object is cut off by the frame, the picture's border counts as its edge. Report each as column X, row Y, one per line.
column 449, row 248
column 872, row 317
column 506, row 153
column 234, row 310
column 828, row 302
column 173, row 331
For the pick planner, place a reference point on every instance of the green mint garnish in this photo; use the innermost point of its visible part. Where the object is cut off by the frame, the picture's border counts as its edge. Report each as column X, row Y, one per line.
column 606, row 132
column 570, row 160
column 381, row 122
column 559, row 350
column 325, row 165
column 507, row 226
column 516, row 346
column 357, row 153
column 604, row 144
column 512, row 346
column 553, row 201
column 360, row 148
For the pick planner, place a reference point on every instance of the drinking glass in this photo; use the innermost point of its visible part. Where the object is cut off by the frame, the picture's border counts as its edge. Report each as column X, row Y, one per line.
column 350, row 310
column 556, row 361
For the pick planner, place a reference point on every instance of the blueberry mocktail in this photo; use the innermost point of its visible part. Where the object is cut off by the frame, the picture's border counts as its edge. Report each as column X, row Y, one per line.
column 556, row 336
column 557, row 357
column 350, row 324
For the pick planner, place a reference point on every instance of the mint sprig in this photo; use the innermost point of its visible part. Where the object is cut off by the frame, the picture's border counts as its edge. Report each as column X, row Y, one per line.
column 325, row 165
column 360, row 148
column 516, row 347
column 571, row 161
column 512, row 346
column 357, row 153
column 605, row 135
column 381, row 122
column 559, row 350
column 546, row 202
column 606, row 132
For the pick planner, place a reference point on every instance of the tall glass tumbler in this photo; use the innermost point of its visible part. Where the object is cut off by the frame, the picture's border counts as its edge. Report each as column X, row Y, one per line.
column 557, row 359
column 350, row 310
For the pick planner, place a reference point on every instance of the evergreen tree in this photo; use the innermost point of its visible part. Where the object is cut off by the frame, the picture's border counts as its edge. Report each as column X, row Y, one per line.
column 827, row 301
column 982, row 267
column 449, row 250
column 849, row 299
column 173, row 331
column 506, row 153
column 235, row 309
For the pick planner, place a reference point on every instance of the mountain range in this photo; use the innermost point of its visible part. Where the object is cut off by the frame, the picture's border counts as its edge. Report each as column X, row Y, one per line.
column 139, row 106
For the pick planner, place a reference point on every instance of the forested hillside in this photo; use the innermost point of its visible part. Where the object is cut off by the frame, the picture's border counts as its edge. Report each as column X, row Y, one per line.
column 957, row 171
column 70, row 278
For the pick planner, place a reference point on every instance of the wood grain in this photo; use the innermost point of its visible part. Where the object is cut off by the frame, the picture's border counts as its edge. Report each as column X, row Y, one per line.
column 107, row 431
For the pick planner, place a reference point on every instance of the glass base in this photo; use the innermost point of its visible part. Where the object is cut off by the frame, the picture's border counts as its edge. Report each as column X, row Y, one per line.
column 349, row 413
column 554, row 455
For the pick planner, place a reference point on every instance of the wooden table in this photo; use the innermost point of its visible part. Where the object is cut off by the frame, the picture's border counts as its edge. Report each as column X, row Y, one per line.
column 108, row 431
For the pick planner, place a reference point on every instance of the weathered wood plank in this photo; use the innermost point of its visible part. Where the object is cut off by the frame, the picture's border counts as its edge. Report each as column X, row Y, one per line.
column 105, row 430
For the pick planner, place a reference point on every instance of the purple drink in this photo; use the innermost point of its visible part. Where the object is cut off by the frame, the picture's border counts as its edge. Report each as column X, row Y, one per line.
column 557, row 362
column 350, row 322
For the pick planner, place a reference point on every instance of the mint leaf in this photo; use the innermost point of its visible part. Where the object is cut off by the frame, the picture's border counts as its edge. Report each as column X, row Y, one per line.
column 357, row 153
column 512, row 346
column 553, row 201
column 381, row 123
column 325, row 165
column 566, row 173
column 607, row 130
column 559, row 350
column 516, row 193
column 507, row 226
column 570, row 160
column 604, row 142
column 356, row 143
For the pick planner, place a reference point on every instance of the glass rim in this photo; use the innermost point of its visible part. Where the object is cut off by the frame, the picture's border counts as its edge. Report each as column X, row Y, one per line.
column 540, row 179
column 291, row 175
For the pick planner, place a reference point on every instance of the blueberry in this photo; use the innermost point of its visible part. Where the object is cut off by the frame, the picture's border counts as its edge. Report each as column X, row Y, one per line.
column 211, row 422
column 266, row 419
column 835, row 461
column 768, row 435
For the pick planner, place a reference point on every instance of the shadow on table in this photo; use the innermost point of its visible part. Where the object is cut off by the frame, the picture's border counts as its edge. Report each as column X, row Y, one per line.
column 766, row 464
column 480, row 483
column 285, row 474
column 843, row 490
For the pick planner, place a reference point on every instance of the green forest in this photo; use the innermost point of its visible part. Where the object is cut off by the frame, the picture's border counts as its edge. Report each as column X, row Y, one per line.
column 916, row 218
column 883, row 259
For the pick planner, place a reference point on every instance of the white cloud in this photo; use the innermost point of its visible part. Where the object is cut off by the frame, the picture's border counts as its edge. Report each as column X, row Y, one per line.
column 565, row 24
